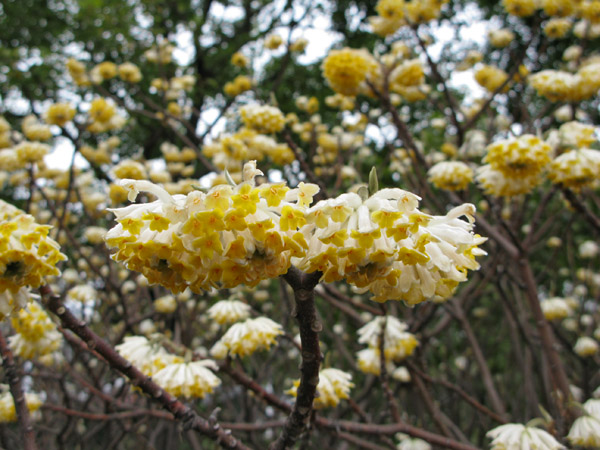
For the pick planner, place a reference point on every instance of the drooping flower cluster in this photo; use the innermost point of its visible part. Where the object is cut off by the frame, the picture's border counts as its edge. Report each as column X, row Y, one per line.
column 171, row 372
column 229, row 311
column 397, row 343
column 514, row 165
column 561, row 86
column 585, row 431
column 188, row 379
column 225, row 237
column 514, row 436
column 385, row 245
column 36, row 335
column 334, row 386
column 245, row 338
column 27, row 256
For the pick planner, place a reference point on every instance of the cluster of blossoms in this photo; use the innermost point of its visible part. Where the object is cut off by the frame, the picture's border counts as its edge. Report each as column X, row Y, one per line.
column 450, row 175
column 36, row 335
column 514, row 436
column 383, row 244
column 514, row 165
column 244, row 338
column 562, row 86
column 397, row 344
column 394, row 14
column 262, row 118
column 243, row 234
column 491, row 77
column 346, row 70
column 585, row 431
column 334, row 386
column 27, row 256
column 227, row 236
column 176, row 376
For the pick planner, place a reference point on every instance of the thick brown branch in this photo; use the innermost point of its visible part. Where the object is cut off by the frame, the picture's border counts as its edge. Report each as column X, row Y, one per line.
column 303, row 286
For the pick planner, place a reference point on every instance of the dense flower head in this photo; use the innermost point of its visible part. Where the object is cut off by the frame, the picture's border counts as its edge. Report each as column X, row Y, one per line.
column 514, row 436
column 346, row 69
column 59, row 114
column 36, row 335
column 524, row 156
column 222, row 238
column 450, row 175
column 576, row 169
column 557, row 27
column 390, row 9
column 240, row 84
column 129, row 72
column 585, row 431
column 34, row 130
column 520, row 8
column 495, row 182
column 560, row 8
column 188, row 379
column 262, row 118
column 229, row 311
column 409, row 73
column 334, row 386
column 27, row 254
column 576, row 135
column 146, row 354
column 490, row 77
column 501, row 38
column 398, row 343
column 385, row 245
column 423, row 11
column 244, row 338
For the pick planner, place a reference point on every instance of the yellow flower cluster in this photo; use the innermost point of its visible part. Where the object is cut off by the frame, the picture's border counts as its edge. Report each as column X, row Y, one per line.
column 576, row 169
column 78, row 73
column 385, row 245
column 147, row 355
column 524, row 156
column 520, row 8
column 334, row 386
column 103, row 71
column 348, row 68
column 557, row 28
column 27, row 254
column 262, row 118
column 188, row 379
column 161, row 53
column 240, row 84
column 514, row 165
column 407, row 75
column 36, row 335
column 423, row 11
column 35, row 130
column 225, row 237
column 5, row 132
column 59, row 114
column 103, row 116
column 8, row 411
column 239, row 59
column 244, row 338
column 561, row 86
column 129, row 72
column 398, row 343
column 560, row 8
column 273, row 41
column 491, row 78
column 246, row 144
column 501, row 38
column 450, row 175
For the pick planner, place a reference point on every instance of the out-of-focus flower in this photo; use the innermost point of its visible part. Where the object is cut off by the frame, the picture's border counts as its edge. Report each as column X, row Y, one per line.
column 450, row 175
column 501, row 38
column 245, row 338
column 397, row 342
column 129, row 72
column 190, row 380
column 491, row 78
column 576, row 135
column 555, row 308
column 520, row 8
column 59, row 114
column 334, row 385
column 262, row 118
column 589, row 249
column 586, row 347
column 576, row 169
column 8, row 411
column 514, row 436
column 273, row 41
column 82, row 293
column 557, row 27
column 585, row 431
column 346, row 69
